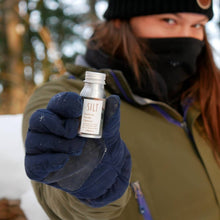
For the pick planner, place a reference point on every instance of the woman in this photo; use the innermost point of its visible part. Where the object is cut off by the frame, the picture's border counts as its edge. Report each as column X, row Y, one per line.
column 158, row 61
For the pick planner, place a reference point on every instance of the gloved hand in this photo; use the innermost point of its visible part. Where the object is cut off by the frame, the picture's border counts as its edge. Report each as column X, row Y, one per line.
column 96, row 171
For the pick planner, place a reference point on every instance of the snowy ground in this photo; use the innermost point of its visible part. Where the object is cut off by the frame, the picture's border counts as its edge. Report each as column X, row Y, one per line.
column 13, row 182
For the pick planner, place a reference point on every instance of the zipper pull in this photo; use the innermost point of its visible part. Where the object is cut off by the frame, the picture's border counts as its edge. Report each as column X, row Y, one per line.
column 143, row 208
column 184, row 126
column 188, row 132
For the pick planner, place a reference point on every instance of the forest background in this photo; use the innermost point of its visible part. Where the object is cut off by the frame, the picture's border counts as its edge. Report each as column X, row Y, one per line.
column 38, row 38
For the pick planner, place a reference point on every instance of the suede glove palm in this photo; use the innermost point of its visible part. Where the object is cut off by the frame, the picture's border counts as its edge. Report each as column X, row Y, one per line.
column 96, row 171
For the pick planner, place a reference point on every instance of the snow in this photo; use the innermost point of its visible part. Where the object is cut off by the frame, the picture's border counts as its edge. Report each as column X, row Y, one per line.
column 14, row 183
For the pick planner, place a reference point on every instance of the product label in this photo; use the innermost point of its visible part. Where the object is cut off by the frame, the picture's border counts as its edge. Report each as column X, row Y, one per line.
column 91, row 116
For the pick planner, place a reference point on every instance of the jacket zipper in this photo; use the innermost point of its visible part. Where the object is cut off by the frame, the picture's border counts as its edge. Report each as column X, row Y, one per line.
column 182, row 124
column 143, row 208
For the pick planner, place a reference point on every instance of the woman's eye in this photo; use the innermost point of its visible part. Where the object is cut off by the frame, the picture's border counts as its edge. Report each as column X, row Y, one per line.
column 198, row 25
column 169, row 20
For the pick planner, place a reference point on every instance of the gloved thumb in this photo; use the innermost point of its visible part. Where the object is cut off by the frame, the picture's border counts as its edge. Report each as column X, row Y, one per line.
column 111, row 117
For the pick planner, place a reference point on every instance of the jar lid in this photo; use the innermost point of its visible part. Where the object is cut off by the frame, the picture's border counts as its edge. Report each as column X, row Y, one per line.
column 95, row 77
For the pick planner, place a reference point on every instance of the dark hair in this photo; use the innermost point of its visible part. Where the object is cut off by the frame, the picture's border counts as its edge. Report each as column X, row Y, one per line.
column 121, row 42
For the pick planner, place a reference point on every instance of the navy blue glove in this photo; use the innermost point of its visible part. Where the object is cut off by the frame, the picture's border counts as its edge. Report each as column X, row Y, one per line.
column 96, row 171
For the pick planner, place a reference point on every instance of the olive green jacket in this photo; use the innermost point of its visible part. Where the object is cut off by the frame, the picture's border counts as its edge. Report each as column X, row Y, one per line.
column 179, row 178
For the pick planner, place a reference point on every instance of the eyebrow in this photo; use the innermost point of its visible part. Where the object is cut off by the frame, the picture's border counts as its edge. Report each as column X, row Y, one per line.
column 179, row 16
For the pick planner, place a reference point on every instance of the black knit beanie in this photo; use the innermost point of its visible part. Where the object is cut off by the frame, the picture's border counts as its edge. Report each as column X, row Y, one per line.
column 125, row 9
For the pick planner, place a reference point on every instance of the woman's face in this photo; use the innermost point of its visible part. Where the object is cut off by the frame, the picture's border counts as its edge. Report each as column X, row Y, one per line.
column 169, row 25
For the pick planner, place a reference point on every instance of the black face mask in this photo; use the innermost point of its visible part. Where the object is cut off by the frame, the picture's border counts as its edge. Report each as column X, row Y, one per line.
column 174, row 61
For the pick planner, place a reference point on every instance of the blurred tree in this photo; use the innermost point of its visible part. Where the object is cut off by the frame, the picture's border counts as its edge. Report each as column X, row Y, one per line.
column 37, row 38
column 12, row 67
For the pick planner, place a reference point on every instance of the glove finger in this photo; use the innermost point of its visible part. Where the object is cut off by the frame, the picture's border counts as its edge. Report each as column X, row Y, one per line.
column 40, row 166
column 45, row 121
column 37, row 143
column 66, row 104
column 112, row 117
